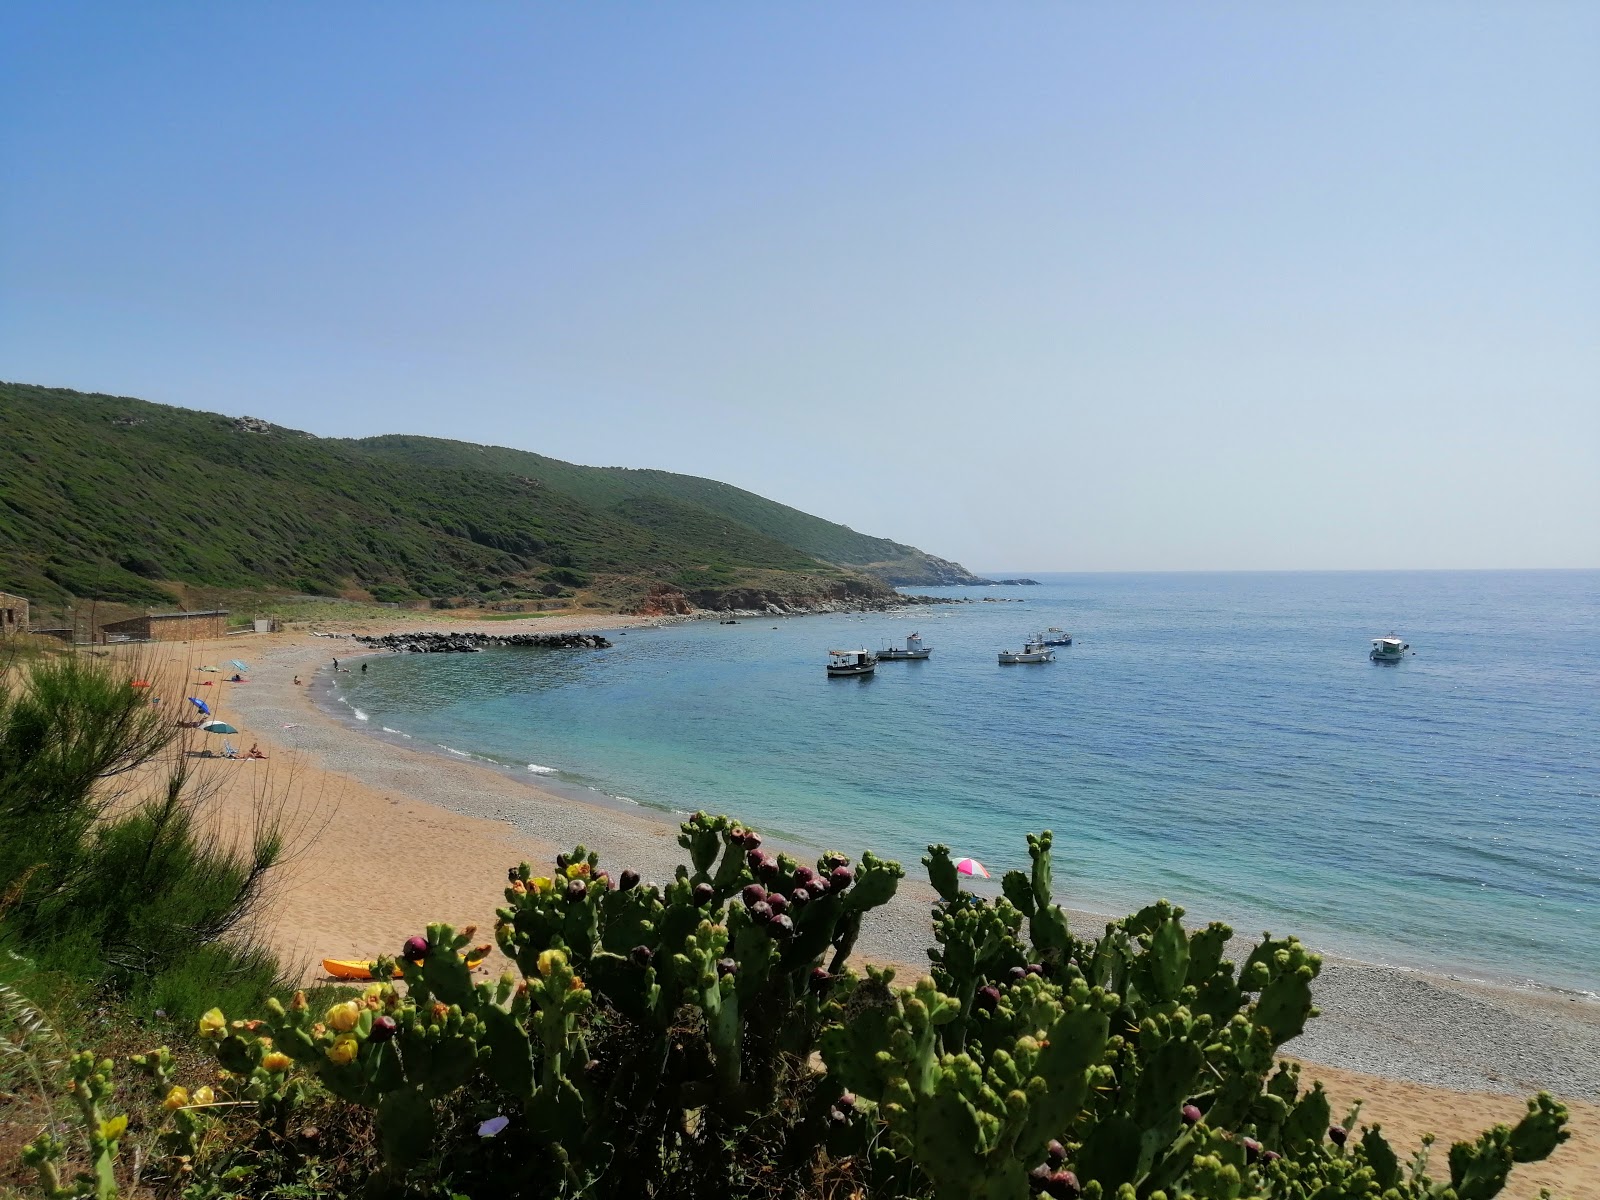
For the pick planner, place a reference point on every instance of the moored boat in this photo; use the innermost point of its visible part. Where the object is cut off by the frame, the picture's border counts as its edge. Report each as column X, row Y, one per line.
column 1032, row 652
column 851, row 662
column 914, row 649
column 1388, row 649
column 1054, row 637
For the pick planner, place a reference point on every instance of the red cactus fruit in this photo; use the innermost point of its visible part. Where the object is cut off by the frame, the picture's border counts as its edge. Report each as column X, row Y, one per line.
column 777, row 903
column 1337, row 1134
column 704, row 894
column 1016, row 973
column 1252, row 1149
column 383, row 1028
column 799, row 897
column 840, row 878
column 780, row 926
column 761, row 912
column 1039, row 1178
column 1055, row 1154
column 820, row 979
column 726, row 966
column 987, row 998
column 754, row 893
column 1034, row 969
column 1191, row 1115
column 416, row 948
column 642, row 955
column 1062, row 1185
column 576, row 890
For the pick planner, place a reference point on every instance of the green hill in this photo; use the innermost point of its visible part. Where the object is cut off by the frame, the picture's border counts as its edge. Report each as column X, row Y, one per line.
column 120, row 499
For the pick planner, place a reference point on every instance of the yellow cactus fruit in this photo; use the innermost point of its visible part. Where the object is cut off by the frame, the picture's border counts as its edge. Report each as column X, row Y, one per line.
column 276, row 1061
column 203, row 1095
column 177, row 1097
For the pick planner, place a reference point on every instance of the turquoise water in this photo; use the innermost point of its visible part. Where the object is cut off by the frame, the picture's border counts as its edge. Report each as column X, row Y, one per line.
column 1220, row 740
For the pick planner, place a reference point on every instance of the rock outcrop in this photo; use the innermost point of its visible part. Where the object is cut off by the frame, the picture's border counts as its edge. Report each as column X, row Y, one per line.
column 471, row 643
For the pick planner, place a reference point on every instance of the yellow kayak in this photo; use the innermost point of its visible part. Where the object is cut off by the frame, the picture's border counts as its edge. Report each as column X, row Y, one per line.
column 352, row 968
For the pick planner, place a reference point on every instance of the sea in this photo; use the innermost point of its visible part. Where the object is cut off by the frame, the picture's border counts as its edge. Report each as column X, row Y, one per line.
column 1220, row 740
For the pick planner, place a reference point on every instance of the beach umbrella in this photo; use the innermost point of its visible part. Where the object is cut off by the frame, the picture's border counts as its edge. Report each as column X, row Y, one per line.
column 201, row 705
column 971, row 866
column 237, row 665
column 218, row 727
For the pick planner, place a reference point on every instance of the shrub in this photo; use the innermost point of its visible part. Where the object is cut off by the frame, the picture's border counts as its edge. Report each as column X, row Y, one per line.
column 101, row 883
column 662, row 1041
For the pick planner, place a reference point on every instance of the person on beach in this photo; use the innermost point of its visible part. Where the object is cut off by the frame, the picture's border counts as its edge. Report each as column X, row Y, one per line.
column 254, row 751
column 297, row 681
column 363, row 668
column 336, row 664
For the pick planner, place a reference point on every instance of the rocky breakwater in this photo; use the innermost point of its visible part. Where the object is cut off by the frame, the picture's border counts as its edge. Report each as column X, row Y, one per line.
column 471, row 643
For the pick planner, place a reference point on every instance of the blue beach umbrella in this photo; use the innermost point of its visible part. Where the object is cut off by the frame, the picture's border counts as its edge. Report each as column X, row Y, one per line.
column 201, row 705
column 218, row 727
column 237, row 665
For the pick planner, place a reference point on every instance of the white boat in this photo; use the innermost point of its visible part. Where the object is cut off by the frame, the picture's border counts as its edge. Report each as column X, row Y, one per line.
column 1388, row 649
column 1031, row 652
column 1053, row 637
column 851, row 662
column 914, row 649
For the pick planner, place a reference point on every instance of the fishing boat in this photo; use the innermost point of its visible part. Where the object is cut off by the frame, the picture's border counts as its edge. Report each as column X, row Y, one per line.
column 1388, row 649
column 851, row 662
column 1032, row 652
column 913, row 649
column 1054, row 637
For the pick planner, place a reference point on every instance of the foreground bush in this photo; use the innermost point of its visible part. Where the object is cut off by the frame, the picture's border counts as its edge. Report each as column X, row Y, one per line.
column 107, row 874
column 708, row 1038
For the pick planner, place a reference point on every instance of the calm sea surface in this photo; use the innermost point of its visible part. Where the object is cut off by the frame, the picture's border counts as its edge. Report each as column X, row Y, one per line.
column 1220, row 740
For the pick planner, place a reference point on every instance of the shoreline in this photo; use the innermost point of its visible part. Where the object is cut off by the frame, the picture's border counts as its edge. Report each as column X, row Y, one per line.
column 547, row 781
column 1430, row 1053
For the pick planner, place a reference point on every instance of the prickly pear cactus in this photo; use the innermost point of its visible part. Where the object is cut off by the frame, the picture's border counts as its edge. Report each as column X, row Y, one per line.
column 1137, row 1064
column 649, row 1029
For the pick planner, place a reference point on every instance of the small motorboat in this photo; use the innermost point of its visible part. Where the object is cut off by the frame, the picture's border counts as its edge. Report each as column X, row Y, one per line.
column 914, row 649
column 1388, row 649
column 851, row 662
column 1031, row 652
column 1054, row 637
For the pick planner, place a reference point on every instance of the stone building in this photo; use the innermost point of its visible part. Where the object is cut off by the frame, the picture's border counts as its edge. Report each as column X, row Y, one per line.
column 13, row 614
column 171, row 627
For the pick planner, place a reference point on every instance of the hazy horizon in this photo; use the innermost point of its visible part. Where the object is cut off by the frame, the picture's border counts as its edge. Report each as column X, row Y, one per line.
column 1091, row 289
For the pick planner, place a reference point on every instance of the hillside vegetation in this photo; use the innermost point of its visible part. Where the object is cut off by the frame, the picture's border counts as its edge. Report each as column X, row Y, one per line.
column 118, row 499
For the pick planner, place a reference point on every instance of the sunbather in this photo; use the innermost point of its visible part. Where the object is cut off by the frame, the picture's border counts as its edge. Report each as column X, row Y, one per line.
column 254, row 751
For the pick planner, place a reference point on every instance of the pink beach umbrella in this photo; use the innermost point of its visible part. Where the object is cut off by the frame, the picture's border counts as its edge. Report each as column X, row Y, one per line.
column 971, row 866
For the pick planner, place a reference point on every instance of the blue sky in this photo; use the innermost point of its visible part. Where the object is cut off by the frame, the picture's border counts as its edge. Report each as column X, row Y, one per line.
column 1035, row 286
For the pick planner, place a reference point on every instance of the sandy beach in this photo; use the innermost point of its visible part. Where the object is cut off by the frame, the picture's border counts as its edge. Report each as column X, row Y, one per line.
column 1427, row 1053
